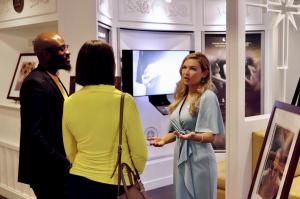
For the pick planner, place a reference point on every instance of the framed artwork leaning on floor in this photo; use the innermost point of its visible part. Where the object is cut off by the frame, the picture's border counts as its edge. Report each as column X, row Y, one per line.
column 279, row 154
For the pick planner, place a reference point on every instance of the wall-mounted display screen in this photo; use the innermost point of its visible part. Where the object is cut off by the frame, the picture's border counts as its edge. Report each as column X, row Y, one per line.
column 151, row 72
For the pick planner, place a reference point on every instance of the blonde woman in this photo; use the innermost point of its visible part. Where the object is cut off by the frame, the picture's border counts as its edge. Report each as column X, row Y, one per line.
column 195, row 118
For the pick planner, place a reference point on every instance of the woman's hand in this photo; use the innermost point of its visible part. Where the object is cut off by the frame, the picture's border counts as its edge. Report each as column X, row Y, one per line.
column 188, row 136
column 156, row 141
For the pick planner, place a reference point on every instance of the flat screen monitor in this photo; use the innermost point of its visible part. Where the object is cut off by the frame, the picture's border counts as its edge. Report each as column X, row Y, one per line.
column 151, row 72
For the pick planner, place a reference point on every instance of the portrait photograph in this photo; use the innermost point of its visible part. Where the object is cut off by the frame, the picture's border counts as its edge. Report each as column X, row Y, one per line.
column 26, row 63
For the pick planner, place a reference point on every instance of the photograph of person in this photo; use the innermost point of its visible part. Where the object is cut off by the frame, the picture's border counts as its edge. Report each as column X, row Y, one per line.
column 275, row 163
column 195, row 120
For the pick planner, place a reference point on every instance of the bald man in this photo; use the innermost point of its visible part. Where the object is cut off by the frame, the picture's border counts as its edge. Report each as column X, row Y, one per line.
column 42, row 162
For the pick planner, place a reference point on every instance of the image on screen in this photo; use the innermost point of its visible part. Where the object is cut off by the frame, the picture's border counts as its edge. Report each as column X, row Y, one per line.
column 156, row 72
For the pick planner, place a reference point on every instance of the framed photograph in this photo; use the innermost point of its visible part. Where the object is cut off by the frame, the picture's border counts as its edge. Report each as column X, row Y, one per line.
column 279, row 154
column 26, row 63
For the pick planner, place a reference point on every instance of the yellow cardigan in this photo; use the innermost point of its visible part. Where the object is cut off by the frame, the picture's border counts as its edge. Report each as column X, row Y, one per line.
column 90, row 133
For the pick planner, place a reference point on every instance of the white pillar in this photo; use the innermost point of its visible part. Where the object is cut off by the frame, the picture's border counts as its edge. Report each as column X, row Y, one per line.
column 235, row 105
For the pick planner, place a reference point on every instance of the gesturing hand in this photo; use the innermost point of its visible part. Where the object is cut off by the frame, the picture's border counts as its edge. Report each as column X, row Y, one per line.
column 187, row 136
column 156, row 141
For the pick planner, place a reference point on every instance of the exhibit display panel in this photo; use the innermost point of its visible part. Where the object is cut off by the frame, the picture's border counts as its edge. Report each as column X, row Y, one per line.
column 215, row 49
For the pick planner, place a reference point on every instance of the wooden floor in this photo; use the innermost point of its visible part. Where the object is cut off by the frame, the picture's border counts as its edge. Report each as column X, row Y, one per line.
column 166, row 192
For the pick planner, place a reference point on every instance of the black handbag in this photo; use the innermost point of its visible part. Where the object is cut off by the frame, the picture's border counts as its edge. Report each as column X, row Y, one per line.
column 134, row 190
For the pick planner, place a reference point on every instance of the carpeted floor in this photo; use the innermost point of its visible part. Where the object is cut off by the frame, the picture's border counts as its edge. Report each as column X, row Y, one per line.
column 166, row 192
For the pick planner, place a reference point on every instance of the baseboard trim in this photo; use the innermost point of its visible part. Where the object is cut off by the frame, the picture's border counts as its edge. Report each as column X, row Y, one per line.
column 12, row 194
column 158, row 182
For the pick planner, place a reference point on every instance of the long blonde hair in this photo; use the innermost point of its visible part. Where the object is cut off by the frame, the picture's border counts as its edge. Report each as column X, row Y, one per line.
column 204, row 84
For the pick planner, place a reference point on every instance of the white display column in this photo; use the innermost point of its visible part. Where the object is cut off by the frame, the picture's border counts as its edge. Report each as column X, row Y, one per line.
column 235, row 89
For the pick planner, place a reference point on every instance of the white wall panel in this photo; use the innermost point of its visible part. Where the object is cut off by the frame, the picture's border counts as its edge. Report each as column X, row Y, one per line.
column 293, row 72
column 9, row 186
column 105, row 11
column 156, row 11
column 31, row 8
column 214, row 12
column 105, row 8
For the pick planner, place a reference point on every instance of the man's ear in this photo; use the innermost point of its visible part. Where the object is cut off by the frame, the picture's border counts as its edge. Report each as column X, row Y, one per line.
column 46, row 55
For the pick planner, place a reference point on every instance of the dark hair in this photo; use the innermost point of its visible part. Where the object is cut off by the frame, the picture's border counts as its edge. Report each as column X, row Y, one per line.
column 95, row 64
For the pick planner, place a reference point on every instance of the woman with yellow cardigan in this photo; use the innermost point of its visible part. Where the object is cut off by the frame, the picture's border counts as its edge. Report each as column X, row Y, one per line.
column 90, row 126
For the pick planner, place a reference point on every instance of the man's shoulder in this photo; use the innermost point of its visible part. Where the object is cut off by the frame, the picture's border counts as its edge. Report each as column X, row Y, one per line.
column 36, row 75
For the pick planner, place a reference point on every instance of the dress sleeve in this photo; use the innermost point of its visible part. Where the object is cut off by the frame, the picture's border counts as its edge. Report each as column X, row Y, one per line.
column 209, row 117
column 170, row 127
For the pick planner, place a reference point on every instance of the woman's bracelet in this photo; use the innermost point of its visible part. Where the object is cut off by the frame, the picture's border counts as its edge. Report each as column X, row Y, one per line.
column 201, row 137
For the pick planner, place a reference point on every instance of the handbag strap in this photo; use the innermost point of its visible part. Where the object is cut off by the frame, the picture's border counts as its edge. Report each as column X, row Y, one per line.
column 119, row 158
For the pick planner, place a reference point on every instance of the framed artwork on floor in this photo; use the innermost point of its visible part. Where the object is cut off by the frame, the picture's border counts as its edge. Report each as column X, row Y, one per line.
column 279, row 154
column 26, row 63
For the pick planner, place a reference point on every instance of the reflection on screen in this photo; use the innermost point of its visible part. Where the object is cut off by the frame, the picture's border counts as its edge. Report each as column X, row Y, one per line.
column 156, row 72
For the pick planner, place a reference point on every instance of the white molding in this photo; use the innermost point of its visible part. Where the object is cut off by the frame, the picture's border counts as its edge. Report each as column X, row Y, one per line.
column 158, row 182
column 157, row 11
column 9, row 145
column 13, row 194
column 6, row 105
column 214, row 14
column 154, row 177
column 31, row 8
column 105, row 8
column 29, row 21
column 9, row 187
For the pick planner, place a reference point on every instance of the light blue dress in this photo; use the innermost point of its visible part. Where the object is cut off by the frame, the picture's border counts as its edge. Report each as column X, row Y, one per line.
column 195, row 171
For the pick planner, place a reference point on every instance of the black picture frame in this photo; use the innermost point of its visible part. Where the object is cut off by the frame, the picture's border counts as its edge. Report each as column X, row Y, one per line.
column 279, row 154
column 26, row 63
column 296, row 97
